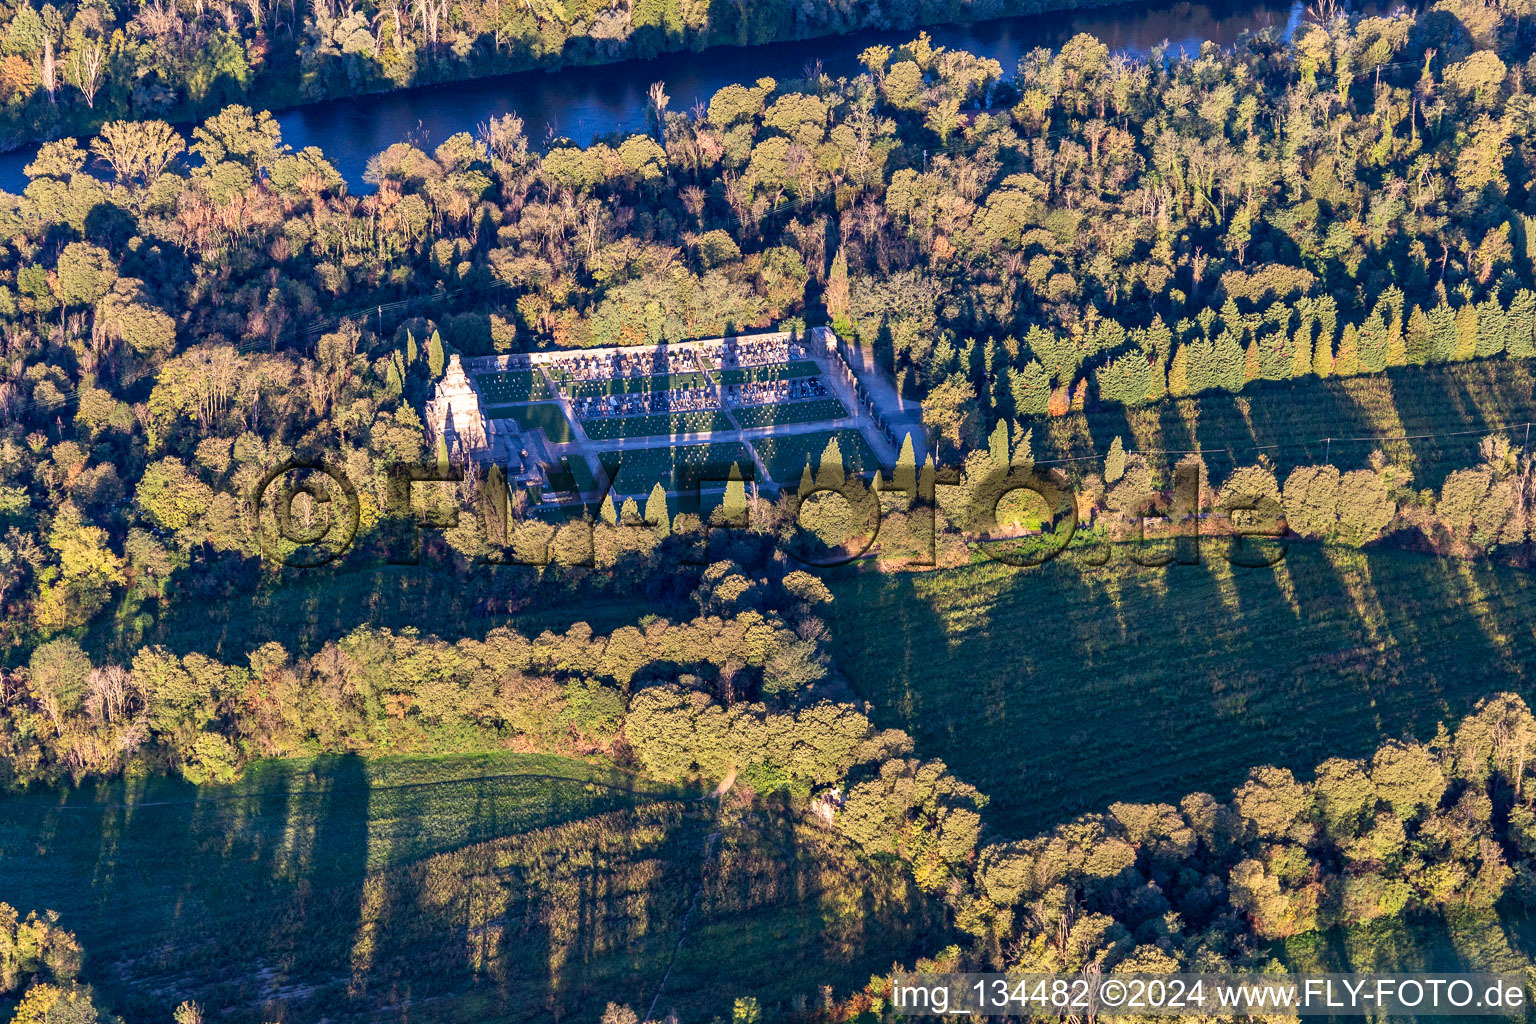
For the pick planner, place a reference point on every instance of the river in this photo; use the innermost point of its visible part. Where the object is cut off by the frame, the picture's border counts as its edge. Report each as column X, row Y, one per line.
column 588, row 102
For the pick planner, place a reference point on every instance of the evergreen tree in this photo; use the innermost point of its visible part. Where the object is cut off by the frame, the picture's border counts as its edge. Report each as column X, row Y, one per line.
column 1347, row 362
column 629, row 512
column 1466, row 333
column 1252, row 365
column 1391, row 307
column 1520, row 326
column 1031, row 389
column 1301, row 348
column 1372, row 339
column 807, row 479
column 837, row 294
column 1416, row 340
column 1229, row 361
column 735, row 504
column 829, row 472
column 656, row 511
column 1114, row 462
column 905, row 476
column 435, row 357
column 1023, row 447
column 411, row 352
column 608, row 513
column 1491, row 324
column 1322, row 355
column 1178, row 373
column 997, row 444
column 1443, row 334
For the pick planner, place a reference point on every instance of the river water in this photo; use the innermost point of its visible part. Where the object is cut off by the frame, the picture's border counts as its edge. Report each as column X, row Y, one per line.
column 585, row 103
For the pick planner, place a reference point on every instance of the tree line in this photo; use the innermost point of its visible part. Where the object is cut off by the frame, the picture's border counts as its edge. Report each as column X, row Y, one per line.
column 69, row 67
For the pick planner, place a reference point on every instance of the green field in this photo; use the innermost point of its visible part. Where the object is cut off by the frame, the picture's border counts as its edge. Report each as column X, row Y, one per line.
column 512, row 386
column 677, row 469
column 694, row 422
column 501, row 887
column 777, row 371
column 1292, row 419
column 1034, row 684
column 786, row 456
column 790, row 412
column 546, row 417
column 635, row 385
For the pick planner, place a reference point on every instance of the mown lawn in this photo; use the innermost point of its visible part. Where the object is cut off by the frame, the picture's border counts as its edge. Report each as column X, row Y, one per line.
column 475, row 888
column 1059, row 690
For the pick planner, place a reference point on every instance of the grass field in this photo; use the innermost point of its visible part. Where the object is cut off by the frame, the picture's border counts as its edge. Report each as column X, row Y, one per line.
column 496, row 888
column 776, row 371
column 790, row 412
column 512, row 386
column 679, row 468
column 1293, row 418
column 1062, row 689
column 695, row 422
column 546, row 417
column 787, row 455
column 635, row 385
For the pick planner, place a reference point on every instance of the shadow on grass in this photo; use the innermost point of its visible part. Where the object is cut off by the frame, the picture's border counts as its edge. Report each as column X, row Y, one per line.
column 1060, row 690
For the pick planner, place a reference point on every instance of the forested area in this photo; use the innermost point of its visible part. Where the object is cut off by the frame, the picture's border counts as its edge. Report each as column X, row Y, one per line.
column 67, row 68
column 1104, row 230
column 1033, row 254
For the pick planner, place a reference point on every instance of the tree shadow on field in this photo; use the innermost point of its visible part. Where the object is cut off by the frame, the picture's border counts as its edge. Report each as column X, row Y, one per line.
column 1061, row 690
column 1454, row 404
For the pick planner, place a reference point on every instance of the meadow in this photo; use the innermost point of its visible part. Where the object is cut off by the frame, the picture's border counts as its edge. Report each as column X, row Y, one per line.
column 1061, row 689
column 499, row 887
column 1292, row 421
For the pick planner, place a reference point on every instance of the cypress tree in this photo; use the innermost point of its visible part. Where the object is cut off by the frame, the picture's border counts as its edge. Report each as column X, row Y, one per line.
column 837, row 295
column 735, row 504
column 656, row 512
column 997, row 444
column 1397, row 346
column 829, row 473
column 1251, row 362
column 629, row 512
column 1023, row 448
column 905, row 476
column 411, row 352
column 608, row 513
column 1114, row 462
column 435, row 357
